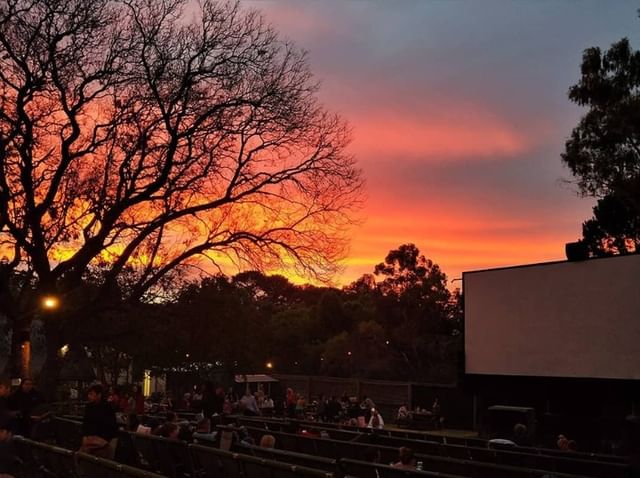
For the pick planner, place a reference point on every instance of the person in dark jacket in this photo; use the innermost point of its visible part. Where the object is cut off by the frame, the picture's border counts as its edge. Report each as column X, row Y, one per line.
column 99, row 427
column 5, row 413
column 9, row 463
column 23, row 402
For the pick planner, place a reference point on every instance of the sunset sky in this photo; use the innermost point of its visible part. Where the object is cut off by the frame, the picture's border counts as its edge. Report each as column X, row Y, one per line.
column 459, row 114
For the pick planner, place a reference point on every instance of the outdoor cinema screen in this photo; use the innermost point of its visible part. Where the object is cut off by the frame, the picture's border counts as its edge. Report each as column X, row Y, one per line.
column 560, row 319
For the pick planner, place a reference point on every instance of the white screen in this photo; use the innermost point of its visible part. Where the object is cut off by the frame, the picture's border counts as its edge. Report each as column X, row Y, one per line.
column 566, row 319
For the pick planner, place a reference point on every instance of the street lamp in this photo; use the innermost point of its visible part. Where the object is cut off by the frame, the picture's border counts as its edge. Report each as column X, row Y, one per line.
column 22, row 334
column 50, row 302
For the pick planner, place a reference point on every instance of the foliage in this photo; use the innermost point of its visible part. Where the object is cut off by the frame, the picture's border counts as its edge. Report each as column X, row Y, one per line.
column 138, row 143
column 368, row 329
column 603, row 152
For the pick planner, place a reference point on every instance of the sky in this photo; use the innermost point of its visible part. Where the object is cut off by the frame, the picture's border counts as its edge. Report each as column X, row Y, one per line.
column 459, row 112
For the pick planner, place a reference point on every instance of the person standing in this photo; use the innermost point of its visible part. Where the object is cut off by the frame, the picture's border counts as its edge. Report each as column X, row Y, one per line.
column 23, row 402
column 249, row 405
column 99, row 428
column 5, row 414
column 139, row 398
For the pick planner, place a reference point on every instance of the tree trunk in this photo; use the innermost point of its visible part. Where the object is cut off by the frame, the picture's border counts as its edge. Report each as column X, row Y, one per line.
column 19, row 363
column 50, row 374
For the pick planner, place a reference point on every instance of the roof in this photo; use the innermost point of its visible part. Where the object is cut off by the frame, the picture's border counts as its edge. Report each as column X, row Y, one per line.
column 253, row 378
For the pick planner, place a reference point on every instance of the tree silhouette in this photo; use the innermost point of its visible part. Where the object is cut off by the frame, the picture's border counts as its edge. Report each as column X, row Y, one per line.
column 415, row 305
column 140, row 143
column 603, row 152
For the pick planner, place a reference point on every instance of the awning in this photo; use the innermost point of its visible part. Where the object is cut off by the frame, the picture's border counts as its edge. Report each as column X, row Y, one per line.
column 255, row 378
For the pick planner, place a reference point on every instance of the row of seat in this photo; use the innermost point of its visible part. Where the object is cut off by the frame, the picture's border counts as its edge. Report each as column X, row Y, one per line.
column 440, row 438
column 354, row 450
column 39, row 459
column 177, row 459
column 507, row 456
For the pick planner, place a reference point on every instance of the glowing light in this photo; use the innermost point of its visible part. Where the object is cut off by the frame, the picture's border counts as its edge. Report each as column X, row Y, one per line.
column 64, row 350
column 269, row 365
column 50, row 302
column 146, row 383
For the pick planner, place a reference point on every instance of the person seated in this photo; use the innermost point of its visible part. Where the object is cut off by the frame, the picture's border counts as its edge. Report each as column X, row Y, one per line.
column 563, row 442
column 99, row 427
column 301, row 405
column 268, row 405
column 520, row 435
column 406, row 459
column 376, row 422
column 268, row 441
column 9, row 462
column 203, row 431
column 167, row 430
column 435, row 408
column 241, row 435
column 403, row 414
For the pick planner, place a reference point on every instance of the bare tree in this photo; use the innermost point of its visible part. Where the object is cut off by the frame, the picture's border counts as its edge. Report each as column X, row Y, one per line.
column 141, row 138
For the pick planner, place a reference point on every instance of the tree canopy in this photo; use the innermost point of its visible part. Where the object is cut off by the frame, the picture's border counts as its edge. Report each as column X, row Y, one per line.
column 136, row 142
column 239, row 324
column 603, row 151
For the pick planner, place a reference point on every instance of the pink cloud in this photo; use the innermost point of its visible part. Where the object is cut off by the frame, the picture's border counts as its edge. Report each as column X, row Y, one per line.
column 403, row 136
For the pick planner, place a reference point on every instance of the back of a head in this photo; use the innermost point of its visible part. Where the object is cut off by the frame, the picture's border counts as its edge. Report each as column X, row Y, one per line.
column 405, row 455
column 519, row 430
column 167, row 430
column 204, row 426
column 268, row 441
column 96, row 388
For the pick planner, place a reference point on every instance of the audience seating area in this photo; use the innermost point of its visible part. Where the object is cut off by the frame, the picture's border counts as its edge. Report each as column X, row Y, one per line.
column 474, row 442
column 40, row 460
column 466, row 460
column 340, row 455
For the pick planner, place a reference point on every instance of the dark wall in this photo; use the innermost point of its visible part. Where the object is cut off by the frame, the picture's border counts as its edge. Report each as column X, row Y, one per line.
column 591, row 411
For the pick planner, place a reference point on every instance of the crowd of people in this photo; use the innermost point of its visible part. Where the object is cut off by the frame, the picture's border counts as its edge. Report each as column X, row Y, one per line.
column 108, row 409
column 19, row 410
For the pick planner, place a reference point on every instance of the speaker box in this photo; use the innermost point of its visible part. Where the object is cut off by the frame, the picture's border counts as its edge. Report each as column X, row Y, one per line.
column 576, row 251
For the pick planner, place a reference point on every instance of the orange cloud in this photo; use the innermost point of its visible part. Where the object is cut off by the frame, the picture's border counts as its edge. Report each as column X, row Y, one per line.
column 460, row 236
column 468, row 135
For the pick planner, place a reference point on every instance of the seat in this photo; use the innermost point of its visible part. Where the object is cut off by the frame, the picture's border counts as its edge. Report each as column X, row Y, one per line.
column 126, row 450
column 51, row 461
column 215, row 463
column 146, row 452
column 93, row 467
